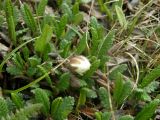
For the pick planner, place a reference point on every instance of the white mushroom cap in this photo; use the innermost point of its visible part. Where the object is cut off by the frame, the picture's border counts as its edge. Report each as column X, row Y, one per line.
column 79, row 64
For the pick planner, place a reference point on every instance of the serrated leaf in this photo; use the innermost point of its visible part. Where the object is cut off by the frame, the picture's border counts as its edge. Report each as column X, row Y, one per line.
column 41, row 7
column 119, row 69
column 42, row 97
column 41, row 43
column 117, row 92
column 62, row 107
column 104, row 97
column 121, row 16
column 56, row 103
column 64, row 82
column 82, row 44
column 78, row 18
column 105, row 44
column 17, row 99
column 10, row 20
column 153, row 75
column 148, row 111
column 28, row 17
column 3, row 108
column 14, row 70
column 44, row 71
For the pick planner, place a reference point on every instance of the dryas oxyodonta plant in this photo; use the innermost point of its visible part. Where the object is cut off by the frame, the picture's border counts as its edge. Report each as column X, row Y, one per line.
column 79, row 64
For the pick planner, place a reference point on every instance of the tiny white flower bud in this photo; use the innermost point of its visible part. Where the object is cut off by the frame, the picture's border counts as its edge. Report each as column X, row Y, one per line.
column 79, row 64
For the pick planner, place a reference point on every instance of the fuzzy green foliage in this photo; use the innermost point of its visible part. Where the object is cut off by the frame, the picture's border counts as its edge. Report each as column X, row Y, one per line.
column 42, row 43
column 122, row 89
column 17, row 100
column 41, row 7
column 103, row 116
column 61, row 107
column 42, row 97
column 10, row 21
column 28, row 17
column 148, row 111
column 3, row 108
column 24, row 113
column 64, row 82
column 104, row 97
column 151, row 76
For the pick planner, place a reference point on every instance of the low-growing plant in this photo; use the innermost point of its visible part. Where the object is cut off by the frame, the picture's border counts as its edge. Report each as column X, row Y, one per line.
column 63, row 65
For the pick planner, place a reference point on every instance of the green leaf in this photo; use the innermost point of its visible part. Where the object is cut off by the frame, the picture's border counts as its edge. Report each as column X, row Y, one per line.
column 153, row 75
column 56, row 103
column 121, row 16
column 78, row 18
column 41, row 7
column 24, row 113
column 75, row 8
column 64, row 82
column 44, row 71
column 118, row 88
column 10, row 21
column 41, row 43
column 118, row 69
column 42, row 97
column 14, row 70
column 62, row 107
column 105, row 44
column 147, row 112
column 93, row 68
column 82, row 44
column 104, row 97
column 17, row 99
column 66, row 106
column 3, row 108
column 28, row 17
column 82, row 98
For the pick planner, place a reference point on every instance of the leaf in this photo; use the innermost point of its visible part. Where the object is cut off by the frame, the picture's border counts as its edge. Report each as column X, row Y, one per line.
column 42, row 97
column 82, row 98
column 118, row 88
column 62, row 107
column 66, row 106
column 104, row 97
column 24, row 113
column 151, row 87
column 3, row 108
column 121, row 16
column 59, row 26
column 93, row 68
column 82, row 44
column 119, row 69
column 153, row 75
column 41, row 7
column 10, row 20
column 17, row 99
column 28, row 17
column 148, row 111
column 44, row 71
column 41, row 43
column 56, row 103
column 105, row 44
column 78, row 18
column 14, row 70
column 64, row 82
